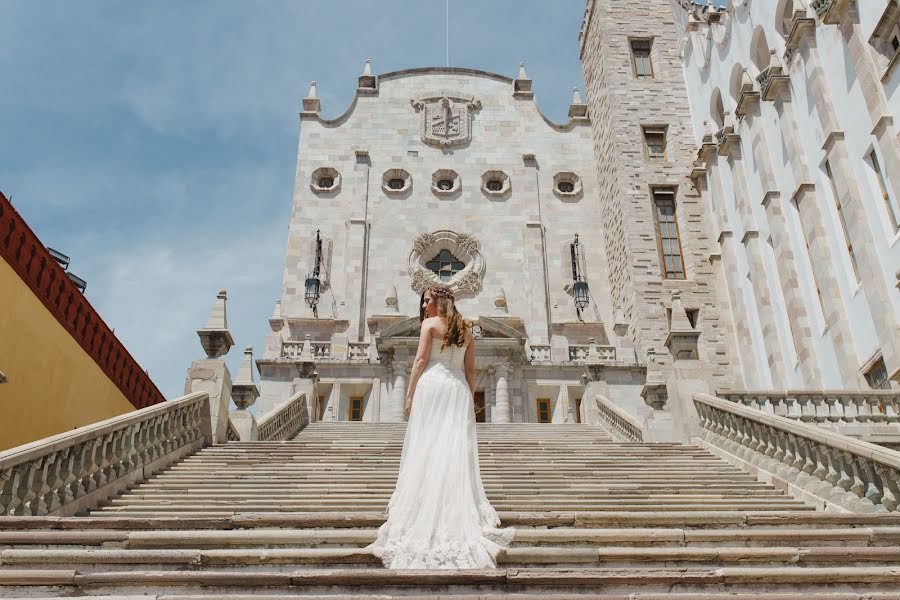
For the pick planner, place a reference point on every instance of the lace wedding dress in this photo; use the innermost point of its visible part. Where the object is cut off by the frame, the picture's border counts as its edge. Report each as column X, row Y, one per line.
column 439, row 516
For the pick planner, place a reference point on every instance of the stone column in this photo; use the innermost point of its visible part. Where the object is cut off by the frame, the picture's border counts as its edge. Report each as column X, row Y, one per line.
column 735, row 290
column 211, row 374
column 822, row 264
column 501, row 402
column 398, row 392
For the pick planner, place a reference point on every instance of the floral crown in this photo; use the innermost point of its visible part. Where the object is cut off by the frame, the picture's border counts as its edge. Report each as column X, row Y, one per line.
column 440, row 290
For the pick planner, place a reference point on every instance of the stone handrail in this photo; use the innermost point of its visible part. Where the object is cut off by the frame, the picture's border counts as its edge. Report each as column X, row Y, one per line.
column 620, row 425
column 284, row 422
column 231, row 433
column 589, row 352
column 856, row 475
column 77, row 470
column 822, row 406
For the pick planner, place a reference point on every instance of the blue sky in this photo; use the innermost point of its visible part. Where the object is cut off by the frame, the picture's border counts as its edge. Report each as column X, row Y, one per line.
column 155, row 142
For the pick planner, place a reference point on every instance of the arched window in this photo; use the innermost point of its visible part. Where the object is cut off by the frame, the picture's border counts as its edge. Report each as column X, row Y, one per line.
column 784, row 17
column 445, row 265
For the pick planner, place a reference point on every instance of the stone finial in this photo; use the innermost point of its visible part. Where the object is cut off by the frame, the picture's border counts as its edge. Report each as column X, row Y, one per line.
column 680, row 322
column 682, row 337
column 499, row 300
column 276, row 311
column 367, row 83
column 218, row 317
column 578, row 109
column 391, row 301
column 215, row 337
column 774, row 62
column 522, row 85
column 244, row 391
column 312, row 106
column 245, row 371
column 307, row 353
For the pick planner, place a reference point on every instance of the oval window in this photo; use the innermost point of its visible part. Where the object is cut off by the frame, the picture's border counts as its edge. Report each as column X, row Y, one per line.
column 494, row 185
column 445, row 184
column 326, row 182
column 396, row 184
column 566, row 187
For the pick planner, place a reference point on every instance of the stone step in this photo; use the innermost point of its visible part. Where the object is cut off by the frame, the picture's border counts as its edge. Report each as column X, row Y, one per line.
column 558, row 556
column 760, row 595
column 650, row 579
column 712, row 521
column 524, row 536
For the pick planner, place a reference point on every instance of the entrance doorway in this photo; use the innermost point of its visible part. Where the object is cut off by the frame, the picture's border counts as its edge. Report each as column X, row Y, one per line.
column 479, row 407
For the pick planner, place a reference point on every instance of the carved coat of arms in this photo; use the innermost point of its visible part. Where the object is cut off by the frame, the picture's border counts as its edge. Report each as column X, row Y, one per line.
column 446, row 117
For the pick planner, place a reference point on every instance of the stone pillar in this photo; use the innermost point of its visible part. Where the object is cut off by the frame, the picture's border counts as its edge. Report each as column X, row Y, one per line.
column 211, row 374
column 822, row 263
column 735, row 289
column 307, row 381
column 501, row 403
column 244, row 393
column 798, row 317
column 876, row 288
column 398, row 392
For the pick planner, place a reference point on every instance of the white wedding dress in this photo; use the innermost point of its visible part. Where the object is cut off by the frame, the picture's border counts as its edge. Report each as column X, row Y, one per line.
column 439, row 516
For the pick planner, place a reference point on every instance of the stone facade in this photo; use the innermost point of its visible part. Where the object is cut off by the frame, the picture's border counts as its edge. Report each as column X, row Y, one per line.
column 798, row 160
column 519, row 189
column 622, row 106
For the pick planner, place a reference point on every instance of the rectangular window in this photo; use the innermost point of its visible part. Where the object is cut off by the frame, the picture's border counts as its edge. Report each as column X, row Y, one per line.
column 640, row 59
column 888, row 204
column 840, row 212
column 578, row 410
column 655, row 142
column 321, row 408
column 543, row 410
column 478, row 399
column 667, row 236
column 877, row 376
column 356, row 411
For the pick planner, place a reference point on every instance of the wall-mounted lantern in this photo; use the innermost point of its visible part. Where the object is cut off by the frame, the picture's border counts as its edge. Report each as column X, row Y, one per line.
column 312, row 281
column 580, row 287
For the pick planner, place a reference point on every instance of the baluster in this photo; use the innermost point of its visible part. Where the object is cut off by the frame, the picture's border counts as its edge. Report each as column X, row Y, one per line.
column 832, row 476
column 876, row 409
column 890, row 408
column 845, row 481
column 30, row 486
column 52, row 489
column 821, row 470
column 832, row 413
column 797, row 451
column 9, row 487
column 858, row 486
column 778, row 441
column 850, row 412
column 781, row 405
column 807, row 408
column 889, row 481
column 873, row 487
column 863, row 413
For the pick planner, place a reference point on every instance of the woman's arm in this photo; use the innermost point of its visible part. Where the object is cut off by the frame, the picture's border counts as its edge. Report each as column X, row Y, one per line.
column 469, row 362
column 422, row 354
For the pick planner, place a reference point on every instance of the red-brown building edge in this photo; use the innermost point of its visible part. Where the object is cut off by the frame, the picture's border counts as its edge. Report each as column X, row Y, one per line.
column 22, row 249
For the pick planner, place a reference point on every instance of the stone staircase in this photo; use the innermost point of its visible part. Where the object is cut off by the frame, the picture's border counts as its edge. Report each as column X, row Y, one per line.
column 593, row 518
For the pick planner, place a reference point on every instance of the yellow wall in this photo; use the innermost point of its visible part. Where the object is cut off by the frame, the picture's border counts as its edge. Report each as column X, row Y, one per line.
column 53, row 384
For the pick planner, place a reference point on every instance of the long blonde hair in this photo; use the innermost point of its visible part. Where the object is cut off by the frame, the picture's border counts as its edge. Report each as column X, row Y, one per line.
column 446, row 307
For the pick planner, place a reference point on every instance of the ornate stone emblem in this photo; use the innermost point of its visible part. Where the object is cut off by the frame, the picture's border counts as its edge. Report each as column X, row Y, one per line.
column 446, row 117
column 463, row 247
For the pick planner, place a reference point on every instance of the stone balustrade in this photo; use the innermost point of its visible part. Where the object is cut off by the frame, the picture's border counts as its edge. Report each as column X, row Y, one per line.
column 319, row 350
column 75, row 471
column 285, row 421
column 358, row 351
column 588, row 352
column 621, row 426
column 822, row 406
column 540, row 352
column 831, row 467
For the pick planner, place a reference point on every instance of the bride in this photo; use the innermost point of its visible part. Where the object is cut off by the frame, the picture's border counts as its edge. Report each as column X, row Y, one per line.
column 439, row 516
